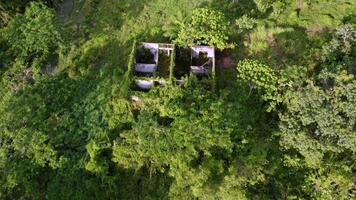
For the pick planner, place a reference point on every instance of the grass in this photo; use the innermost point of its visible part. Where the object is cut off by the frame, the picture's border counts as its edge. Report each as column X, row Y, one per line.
column 279, row 39
column 289, row 39
column 124, row 21
column 326, row 13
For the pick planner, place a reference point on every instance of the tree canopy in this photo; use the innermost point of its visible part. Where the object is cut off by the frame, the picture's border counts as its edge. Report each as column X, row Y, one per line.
column 274, row 120
column 205, row 27
column 34, row 36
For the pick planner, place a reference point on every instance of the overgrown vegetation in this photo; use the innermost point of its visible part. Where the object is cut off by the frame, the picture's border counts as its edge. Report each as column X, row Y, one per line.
column 280, row 123
column 164, row 62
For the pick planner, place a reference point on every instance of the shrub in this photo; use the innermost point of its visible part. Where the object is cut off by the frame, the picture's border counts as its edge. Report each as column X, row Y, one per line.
column 206, row 27
column 35, row 35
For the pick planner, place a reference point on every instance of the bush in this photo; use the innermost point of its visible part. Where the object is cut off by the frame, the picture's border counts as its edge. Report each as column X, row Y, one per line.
column 35, row 35
column 245, row 23
column 263, row 5
column 340, row 52
column 261, row 78
column 206, row 27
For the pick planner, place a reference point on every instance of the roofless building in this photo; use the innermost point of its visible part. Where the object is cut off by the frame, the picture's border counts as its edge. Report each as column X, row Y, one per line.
column 154, row 63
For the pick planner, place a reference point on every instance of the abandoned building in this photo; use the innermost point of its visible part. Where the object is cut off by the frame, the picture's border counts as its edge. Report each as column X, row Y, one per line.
column 155, row 63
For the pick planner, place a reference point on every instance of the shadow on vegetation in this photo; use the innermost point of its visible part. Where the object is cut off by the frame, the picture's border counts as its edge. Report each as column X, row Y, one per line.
column 284, row 45
column 231, row 9
column 91, row 17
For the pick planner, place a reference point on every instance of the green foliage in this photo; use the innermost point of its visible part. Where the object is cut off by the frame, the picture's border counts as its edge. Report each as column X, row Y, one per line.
column 97, row 163
column 9, row 8
column 127, row 78
column 88, row 58
column 318, row 125
column 245, row 23
column 332, row 184
column 172, row 65
column 165, row 136
column 205, row 27
column 164, row 61
column 187, row 133
column 324, row 123
column 35, row 36
column 79, row 134
column 263, row 5
column 45, row 128
column 340, row 52
column 130, row 65
column 260, row 77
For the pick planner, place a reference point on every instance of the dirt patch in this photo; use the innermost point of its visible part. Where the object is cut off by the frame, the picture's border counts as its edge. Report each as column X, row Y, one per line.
column 224, row 61
column 271, row 40
column 317, row 30
column 279, row 54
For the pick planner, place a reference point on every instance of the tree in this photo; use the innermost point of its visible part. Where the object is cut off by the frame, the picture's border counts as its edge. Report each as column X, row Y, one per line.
column 54, row 136
column 83, row 133
column 195, row 138
column 205, row 27
column 34, row 36
column 317, row 129
column 259, row 77
column 340, row 52
column 9, row 8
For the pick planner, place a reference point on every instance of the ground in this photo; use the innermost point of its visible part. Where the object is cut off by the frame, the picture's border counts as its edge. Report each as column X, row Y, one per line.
column 279, row 39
